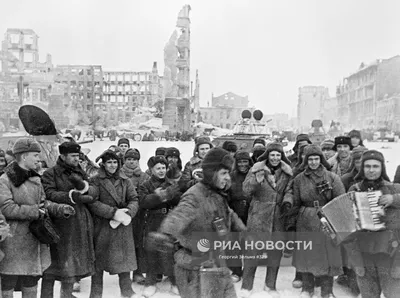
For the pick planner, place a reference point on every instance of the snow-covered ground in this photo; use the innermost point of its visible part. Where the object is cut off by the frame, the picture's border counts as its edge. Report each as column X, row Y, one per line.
column 286, row 273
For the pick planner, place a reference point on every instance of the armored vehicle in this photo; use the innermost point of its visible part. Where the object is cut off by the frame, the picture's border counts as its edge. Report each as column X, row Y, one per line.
column 246, row 130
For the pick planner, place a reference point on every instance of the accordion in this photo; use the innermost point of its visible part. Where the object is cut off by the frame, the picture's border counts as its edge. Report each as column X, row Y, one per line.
column 353, row 212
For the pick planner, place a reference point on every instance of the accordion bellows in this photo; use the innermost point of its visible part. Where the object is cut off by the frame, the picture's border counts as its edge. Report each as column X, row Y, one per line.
column 353, row 212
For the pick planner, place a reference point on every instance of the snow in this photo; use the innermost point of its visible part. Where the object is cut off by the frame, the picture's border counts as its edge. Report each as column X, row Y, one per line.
column 286, row 272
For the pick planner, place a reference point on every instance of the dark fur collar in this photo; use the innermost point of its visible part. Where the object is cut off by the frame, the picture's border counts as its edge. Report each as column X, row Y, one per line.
column 18, row 175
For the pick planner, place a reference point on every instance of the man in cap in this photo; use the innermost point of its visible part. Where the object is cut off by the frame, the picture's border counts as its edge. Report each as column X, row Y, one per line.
column 348, row 179
column 341, row 161
column 193, row 172
column 230, row 146
column 356, row 139
column 72, row 257
column 22, row 200
column 123, row 144
column 202, row 209
column 300, row 139
column 259, row 142
column 327, row 148
column 375, row 255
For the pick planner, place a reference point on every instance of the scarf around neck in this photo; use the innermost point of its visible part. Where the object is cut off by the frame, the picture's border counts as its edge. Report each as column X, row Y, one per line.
column 130, row 172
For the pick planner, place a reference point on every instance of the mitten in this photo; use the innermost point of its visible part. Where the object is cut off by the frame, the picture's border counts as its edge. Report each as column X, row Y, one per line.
column 121, row 216
column 77, row 197
column 77, row 181
column 160, row 242
column 68, row 210
column 258, row 166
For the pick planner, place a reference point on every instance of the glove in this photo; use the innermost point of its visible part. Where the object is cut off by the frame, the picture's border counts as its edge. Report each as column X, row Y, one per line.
column 68, row 210
column 258, row 166
column 77, row 197
column 77, row 181
column 160, row 242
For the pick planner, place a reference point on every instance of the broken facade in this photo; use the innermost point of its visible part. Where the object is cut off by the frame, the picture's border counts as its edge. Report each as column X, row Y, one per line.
column 125, row 91
column 360, row 95
column 23, row 79
column 83, row 95
column 177, row 77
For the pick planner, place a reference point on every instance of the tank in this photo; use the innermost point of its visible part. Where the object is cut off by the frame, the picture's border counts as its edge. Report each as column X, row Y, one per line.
column 245, row 131
column 317, row 133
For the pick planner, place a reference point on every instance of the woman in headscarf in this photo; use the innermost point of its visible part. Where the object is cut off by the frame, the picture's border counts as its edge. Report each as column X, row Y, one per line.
column 132, row 170
column 312, row 189
column 268, row 183
column 158, row 195
column 113, row 235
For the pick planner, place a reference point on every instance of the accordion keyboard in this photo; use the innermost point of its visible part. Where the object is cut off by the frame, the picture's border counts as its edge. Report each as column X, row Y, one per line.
column 376, row 209
column 369, row 211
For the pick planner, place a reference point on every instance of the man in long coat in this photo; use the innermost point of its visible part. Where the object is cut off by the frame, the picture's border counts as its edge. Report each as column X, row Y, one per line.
column 312, row 189
column 73, row 257
column 375, row 255
column 22, row 200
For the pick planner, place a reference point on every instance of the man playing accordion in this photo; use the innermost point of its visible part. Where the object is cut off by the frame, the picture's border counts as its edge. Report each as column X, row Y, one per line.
column 374, row 255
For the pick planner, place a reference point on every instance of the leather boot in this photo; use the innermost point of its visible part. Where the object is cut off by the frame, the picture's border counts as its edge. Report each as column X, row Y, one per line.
column 29, row 292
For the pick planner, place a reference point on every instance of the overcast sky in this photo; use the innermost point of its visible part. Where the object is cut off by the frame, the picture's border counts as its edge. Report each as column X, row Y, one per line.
column 260, row 48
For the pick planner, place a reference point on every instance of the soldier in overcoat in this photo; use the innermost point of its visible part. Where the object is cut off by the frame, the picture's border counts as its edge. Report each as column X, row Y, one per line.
column 375, row 256
column 312, row 189
column 269, row 184
column 157, row 196
column 112, row 213
column 199, row 209
column 72, row 258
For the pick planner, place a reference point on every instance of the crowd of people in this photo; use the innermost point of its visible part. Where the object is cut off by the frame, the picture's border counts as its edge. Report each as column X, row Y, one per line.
column 113, row 216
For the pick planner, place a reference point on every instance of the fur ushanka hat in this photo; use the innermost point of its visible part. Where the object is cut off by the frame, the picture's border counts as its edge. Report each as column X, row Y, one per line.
column 274, row 147
column 376, row 155
column 311, row 150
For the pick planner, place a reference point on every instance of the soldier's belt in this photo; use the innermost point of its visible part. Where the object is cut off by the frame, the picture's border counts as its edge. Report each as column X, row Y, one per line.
column 158, row 211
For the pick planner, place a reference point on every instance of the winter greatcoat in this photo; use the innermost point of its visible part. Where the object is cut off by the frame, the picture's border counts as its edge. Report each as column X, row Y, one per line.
column 239, row 201
column 155, row 210
column 137, row 176
column 324, row 258
column 187, row 179
column 113, row 247
column 74, row 255
column 195, row 213
column 267, row 198
column 19, row 200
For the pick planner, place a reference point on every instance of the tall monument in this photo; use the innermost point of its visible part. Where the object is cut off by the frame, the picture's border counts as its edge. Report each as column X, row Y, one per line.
column 177, row 110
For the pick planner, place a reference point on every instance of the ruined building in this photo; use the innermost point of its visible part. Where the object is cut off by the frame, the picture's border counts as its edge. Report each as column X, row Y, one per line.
column 369, row 98
column 83, row 95
column 178, row 103
column 124, row 91
column 23, row 79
